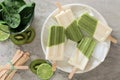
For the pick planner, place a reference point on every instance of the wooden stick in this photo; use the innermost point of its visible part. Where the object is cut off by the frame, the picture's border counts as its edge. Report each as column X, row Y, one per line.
column 11, row 75
column 59, row 6
column 16, row 67
column 4, row 72
column 3, row 77
column 112, row 39
column 54, row 65
column 18, row 52
column 72, row 73
column 15, row 58
column 20, row 62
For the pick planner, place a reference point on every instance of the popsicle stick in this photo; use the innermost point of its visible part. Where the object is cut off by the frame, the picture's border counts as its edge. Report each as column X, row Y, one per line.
column 59, row 6
column 20, row 62
column 72, row 73
column 3, row 77
column 18, row 54
column 15, row 58
column 54, row 65
column 10, row 76
column 16, row 67
column 112, row 39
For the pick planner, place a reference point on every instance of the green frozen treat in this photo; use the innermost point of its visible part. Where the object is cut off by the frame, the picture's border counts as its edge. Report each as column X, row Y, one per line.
column 84, row 51
column 88, row 23
column 56, row 35
column 55, row 47
column 94, row 27
column 73, row 32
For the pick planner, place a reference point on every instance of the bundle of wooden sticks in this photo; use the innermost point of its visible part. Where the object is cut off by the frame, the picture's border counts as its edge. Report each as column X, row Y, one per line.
column 8, row 71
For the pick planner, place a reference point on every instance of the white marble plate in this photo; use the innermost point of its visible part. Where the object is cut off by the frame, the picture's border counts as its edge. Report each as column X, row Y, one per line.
column 100, row 51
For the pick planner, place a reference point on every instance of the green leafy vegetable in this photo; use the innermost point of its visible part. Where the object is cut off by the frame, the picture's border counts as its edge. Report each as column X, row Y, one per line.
column 12, row 19
column 16, row 14
column 14, row 4
column 26, row 12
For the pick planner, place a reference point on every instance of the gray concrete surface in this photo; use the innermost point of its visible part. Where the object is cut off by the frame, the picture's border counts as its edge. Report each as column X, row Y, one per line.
column 108, row 70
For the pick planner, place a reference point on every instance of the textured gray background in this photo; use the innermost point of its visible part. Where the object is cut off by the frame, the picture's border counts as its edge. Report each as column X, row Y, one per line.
column 108, row 70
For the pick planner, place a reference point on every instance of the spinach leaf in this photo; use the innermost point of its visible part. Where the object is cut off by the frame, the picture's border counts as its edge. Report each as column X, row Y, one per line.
column 14, row 5
column 12, row 19
column 26, row 12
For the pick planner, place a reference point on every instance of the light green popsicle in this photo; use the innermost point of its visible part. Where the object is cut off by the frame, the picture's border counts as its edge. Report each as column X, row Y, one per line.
column 87, row 23
column 95, row 28
column 56, row 35
column 55, row 47
column 73, row 32
column 85, row 49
